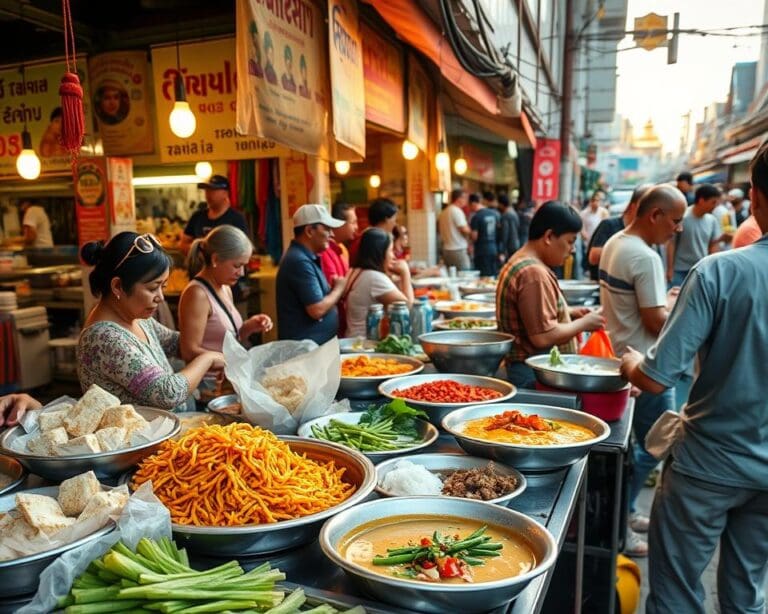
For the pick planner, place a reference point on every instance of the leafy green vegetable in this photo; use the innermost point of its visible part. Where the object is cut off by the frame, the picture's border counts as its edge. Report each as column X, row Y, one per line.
column 404, row 418
column 392, row 344
column 555, row 360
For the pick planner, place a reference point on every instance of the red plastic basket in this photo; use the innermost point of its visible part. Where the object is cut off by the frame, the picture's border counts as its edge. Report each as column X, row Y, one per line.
column 609, row 406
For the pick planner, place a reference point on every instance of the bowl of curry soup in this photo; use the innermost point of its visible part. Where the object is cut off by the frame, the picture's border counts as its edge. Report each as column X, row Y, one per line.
column 457, row 555
column 528, row 437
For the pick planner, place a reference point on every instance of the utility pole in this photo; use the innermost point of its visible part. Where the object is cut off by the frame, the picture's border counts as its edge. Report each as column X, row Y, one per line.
column 565, row 109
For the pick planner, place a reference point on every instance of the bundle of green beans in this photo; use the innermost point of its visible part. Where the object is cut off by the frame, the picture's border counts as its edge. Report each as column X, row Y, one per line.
column 375, row 436
column 472, row 549
column 158, row 578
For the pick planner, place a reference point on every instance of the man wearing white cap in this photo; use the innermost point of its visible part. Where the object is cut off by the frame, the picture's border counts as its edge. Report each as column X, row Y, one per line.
column 306, row 304
column 740, row 205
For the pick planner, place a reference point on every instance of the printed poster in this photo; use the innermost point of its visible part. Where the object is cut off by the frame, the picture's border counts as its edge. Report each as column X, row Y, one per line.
column 384, row 80
column 121, row 195
column 282, row 57
column 121, row 102
column 39, row 105
column 347, row 82
column 208, row 70
column 418, row 103
column 91, row 200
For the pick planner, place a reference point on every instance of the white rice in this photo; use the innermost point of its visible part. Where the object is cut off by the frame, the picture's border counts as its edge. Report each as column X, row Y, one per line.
column 407, row 478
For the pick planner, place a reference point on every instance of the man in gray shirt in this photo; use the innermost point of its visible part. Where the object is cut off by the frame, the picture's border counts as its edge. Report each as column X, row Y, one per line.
column 715, row 483
column 509, row 229
column 701, row 235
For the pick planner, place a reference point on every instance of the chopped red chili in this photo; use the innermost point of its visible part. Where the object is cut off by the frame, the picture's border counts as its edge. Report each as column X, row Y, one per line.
column 447, row 391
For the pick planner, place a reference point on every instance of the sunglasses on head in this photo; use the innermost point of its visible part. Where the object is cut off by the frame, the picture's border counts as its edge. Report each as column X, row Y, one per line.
column 145, row 244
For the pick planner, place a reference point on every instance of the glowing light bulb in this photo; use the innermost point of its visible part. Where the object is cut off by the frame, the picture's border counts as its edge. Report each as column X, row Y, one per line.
column 460, row 166
column 203, row 170
column 342, row 167
column 410, row 150
column 182, row 120
column 374, row 181
column 442, row 161
column 28, row 164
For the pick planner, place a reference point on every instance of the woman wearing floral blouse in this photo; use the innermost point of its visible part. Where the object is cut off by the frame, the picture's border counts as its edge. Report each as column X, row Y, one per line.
column 122, row 348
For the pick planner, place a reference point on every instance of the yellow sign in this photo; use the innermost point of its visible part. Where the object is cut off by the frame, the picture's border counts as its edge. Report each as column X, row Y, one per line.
column 35, row 102
column 650, row 31
column 208, row 70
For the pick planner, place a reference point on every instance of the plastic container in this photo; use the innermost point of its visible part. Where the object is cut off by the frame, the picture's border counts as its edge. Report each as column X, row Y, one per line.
column 609, row 406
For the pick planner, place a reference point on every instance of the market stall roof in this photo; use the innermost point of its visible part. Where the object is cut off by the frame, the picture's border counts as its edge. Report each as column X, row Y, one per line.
column 742, row 152
column 475, row 100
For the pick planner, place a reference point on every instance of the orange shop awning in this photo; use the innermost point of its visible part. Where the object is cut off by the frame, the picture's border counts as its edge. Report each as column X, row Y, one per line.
column 415, row 27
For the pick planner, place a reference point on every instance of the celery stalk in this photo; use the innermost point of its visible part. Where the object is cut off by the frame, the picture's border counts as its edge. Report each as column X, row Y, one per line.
column 290, row 604
column 124, row 566
column 99, row 608
column 218, row 606
column 94, row 595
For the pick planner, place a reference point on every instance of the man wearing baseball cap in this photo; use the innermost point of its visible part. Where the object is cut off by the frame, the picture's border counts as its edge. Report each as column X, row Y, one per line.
column 218, row 212
column 307, row 303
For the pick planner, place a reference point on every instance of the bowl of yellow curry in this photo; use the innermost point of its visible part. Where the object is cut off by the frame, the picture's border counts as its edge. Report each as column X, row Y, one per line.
column 528, row 437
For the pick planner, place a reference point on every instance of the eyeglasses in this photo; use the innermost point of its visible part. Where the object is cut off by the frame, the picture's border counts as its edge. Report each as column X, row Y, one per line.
column 145, row 244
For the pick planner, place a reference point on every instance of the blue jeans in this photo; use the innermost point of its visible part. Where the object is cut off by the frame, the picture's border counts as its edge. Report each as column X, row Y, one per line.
column 688, row 519
column 521, row 375
column 648, row 408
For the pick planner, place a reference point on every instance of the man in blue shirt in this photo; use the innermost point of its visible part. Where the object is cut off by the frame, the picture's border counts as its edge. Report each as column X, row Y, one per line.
column 715, row 485
column 306, row 303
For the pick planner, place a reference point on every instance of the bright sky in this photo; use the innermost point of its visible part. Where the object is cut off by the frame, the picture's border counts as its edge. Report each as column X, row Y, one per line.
column 648, row 87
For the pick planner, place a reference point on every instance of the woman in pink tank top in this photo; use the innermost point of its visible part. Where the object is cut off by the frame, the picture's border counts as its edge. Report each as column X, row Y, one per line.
column 206, row 308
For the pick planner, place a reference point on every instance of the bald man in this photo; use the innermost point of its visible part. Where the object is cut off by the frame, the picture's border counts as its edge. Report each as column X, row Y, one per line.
column 636, row 305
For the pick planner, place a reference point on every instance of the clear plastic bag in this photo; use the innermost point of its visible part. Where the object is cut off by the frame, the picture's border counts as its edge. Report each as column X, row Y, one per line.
column 318, row 366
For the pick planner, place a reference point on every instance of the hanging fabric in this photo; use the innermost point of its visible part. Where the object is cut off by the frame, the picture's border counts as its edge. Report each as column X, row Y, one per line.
column 274, row 230
column 71, row 92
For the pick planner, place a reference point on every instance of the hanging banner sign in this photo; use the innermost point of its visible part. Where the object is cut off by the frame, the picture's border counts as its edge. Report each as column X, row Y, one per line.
column 91, row 200
column 384, row 81
column 347, row 83
column 121, row 195
column 121, row 102
column 418, row 103
column 546, row 170
column 38, row 105
column 208, row 70
column 281, row 57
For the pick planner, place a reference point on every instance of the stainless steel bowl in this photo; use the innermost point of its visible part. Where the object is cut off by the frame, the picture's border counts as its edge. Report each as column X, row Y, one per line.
column 438, row 598
column 103, row 464
column 437, row 411
column 356, row 345
column 259, row 539
column 477, row 286
column 483, row 310
column 429, row 282
column 574, row 380
column 447, row 463
column 481, row 297
column 576, row 291
column 219, row 405
column 521, row 456
column 13, row 469
column 427, row 433
column 446, row 324
column 476, row 352
column 21, row 576
column 368, row 387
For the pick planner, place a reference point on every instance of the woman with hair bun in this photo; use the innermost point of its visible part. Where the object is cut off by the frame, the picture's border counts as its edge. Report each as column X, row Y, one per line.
column 206, row 308
column 122, row 348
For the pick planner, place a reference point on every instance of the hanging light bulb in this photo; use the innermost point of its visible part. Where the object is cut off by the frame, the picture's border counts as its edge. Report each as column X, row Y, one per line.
column 410, row 150
column 442, row 159
column 342, row 167
column 203, row 170
column 374, row 181
column 460, row 165
column 28, row 164
column 182, row 119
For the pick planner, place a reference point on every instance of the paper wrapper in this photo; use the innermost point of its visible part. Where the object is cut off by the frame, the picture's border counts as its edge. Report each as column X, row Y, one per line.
column 318, row 366
column 142, row 516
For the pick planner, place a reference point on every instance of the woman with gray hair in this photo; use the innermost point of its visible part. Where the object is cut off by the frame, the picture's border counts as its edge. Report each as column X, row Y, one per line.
column 206, row 308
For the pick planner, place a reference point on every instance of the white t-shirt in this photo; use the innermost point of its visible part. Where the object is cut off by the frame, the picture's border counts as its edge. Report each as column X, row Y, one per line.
column 631, row 277
column 591, row 220
column 448, row 223
column 365, row 290
column 36, row 217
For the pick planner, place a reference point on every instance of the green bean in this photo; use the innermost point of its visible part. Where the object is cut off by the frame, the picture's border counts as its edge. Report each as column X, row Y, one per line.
column 483, row 553
column 393, row 560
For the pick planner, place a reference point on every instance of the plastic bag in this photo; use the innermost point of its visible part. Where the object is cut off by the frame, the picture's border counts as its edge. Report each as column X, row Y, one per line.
column 142, row 516
column 318, row 366
column 599, row 344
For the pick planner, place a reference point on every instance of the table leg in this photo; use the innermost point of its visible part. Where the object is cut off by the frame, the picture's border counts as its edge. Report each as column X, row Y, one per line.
column 580, row 545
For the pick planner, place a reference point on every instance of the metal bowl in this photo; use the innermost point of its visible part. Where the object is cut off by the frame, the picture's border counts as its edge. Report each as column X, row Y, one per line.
column 476, row 352
column 446, row 324
column 468, row 275
column 429, row 282
column 21, row 576
column 576, row 291
column 522, row 456
column 437, row 411
column 427, row 433
column 259, row 539
column 481, row 297
column 13, row 469
column 103, row 464
column 479, row 310
column 481, row 285
column 219, row 406
column 575, row 381
column 368, row 387
column 443, row 462
column 438, row 598
column 356, row 345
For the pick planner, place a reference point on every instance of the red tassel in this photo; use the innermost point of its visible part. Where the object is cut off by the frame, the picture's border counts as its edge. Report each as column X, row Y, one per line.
column 72, row 114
